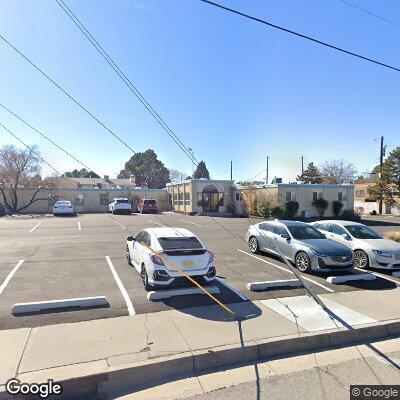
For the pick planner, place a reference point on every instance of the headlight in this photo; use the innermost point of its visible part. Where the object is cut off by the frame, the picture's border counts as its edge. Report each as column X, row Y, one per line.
column 318, row 254
column 382, row 253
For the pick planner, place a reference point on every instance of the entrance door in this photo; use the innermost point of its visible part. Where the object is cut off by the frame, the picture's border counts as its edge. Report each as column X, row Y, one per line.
column 210, row 202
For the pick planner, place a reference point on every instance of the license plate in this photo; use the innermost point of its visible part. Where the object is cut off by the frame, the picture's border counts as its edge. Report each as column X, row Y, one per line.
column 188, row 263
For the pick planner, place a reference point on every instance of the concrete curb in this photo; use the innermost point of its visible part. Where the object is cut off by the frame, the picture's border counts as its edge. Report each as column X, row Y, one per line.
column 273, row 284
column 346, row 278
column 82, row 379
column 26, row 308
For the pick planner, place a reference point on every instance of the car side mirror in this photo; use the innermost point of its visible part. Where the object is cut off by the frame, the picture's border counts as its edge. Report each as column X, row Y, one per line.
column 130, row 238
column 346, row 236
column 285, row 236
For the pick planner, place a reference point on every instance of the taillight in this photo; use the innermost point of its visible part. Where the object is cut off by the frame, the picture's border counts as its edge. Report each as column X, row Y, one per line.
column 156, row 259
column 210, row 257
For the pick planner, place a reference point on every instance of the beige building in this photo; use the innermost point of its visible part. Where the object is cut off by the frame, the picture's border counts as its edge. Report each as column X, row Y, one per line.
column 88, row 200
column 198, row 196
column 304, row 194
column 364, row 205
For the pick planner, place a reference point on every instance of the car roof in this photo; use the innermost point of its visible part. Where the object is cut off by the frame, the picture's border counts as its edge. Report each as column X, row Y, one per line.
column 339, row 222
column 63, row 201
column 121, row 198
column 289, row 222
column 170, row 232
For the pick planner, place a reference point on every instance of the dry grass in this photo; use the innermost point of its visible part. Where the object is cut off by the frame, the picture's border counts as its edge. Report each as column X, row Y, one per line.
column 393, row 235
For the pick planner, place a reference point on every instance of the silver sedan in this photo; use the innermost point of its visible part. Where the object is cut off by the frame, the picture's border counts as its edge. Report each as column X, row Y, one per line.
column 301, row 244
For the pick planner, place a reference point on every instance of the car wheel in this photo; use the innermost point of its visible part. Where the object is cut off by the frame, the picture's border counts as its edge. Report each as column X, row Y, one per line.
column 145, row 279
column 128, row 256
column 253, row 245
column 303, row 262
column 361, row 259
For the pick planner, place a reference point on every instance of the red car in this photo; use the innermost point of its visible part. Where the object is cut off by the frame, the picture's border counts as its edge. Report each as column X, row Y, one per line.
column 147, row 206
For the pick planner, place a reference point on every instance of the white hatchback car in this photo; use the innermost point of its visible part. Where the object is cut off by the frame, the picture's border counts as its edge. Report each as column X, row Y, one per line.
column 63, row 207
column 370, row 248
column 176, row 246
column 120, row 205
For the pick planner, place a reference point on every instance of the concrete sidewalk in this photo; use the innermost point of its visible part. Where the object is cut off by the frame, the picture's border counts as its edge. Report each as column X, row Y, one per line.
column 109, row 355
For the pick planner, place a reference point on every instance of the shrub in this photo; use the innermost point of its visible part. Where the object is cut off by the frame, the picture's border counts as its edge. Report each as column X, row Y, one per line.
column 277, row 211
column 393, row 235
column 291, row 208
column 350, row 215
column 321, row 205
column 337, row 207
column 264, row 209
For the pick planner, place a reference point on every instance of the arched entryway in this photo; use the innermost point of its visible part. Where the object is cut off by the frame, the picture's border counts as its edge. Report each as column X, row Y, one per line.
column 211, row 198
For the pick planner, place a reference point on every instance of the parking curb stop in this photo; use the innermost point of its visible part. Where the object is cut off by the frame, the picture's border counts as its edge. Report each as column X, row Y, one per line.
column 273, row 284
column 166, row 294
column 346, row 278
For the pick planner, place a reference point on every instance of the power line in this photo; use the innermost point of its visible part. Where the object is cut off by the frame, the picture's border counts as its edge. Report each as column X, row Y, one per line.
column 125, row 79
column 281, row 28
column 370, row 13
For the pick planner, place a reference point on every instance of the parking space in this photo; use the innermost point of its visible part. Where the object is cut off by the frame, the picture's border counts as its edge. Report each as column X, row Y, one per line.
column 84, row 256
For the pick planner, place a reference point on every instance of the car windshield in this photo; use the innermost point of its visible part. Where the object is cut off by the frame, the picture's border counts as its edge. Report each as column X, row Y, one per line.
column 362, row 232
column 63, row 203
column 302, row 232
column 172, row 243
column 123, row 201
column 150, row 202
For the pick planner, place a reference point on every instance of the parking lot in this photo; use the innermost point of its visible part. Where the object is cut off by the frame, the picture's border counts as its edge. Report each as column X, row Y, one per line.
column 84, row 256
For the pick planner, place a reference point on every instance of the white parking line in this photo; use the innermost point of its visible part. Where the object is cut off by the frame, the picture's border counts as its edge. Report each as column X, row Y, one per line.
column 79, row 226
column 125, row 295
column 287, row 270
column 119, row 224
column 35, row 227
column 379, row 275
column 241, row 295
column 154, row 222
column 193, row 223
column 10, row 275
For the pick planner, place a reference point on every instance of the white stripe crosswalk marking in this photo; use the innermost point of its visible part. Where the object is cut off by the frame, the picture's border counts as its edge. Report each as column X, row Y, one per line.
column 287, row 270
column 193, row 223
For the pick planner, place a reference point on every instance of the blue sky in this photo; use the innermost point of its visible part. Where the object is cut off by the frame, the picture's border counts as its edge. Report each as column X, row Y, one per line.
column 231, row 89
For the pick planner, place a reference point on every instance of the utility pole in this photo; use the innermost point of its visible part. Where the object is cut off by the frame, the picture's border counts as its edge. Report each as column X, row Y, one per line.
column 266, row 176
column 302, row 165
column 382, row 153
column 192, row 154
column 231, row 170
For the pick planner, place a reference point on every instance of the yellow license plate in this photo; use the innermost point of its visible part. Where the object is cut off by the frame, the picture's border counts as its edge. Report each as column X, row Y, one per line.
column 188, row 263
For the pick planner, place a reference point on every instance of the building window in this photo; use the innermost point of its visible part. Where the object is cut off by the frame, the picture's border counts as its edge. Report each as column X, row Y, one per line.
column 175, row 199
column 79, row 186
column 239, row 196
column 316, row 195
column 221, row 199
column 320, row 195
column 180, row 197
column 360, row 193
column 288, row 196
column 104, row 199
column 79, row 200
column 187, row 198
column 340, row 196
column 199, row 199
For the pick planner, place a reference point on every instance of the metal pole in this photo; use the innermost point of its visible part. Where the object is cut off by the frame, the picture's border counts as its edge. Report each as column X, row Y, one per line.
column 302, row 165
column 380, row 174
column 231, row 171
column 266, row 176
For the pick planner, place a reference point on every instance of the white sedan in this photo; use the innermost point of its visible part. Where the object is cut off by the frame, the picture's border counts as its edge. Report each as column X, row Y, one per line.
column 63, row 207
column 370, row 248
column 173, row 248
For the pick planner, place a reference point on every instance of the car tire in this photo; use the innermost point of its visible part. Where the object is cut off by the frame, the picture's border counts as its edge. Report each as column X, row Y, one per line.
column 303, row 262
column 253, row 245
column 145, row 279
column 128, row 256
column 361, row 259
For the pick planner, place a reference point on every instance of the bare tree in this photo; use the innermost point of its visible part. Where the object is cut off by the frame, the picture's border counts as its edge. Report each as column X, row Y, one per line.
column 20, row 169
column 338, row 172
column 176, row 175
